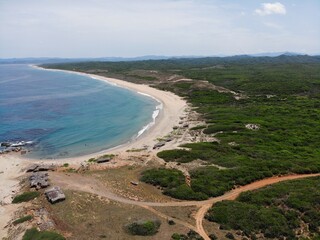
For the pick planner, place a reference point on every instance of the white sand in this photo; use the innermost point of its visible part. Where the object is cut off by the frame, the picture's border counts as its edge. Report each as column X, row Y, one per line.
column 10, row 165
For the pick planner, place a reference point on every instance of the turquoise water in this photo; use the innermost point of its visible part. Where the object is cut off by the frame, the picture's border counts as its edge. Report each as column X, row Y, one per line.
column 67, row 114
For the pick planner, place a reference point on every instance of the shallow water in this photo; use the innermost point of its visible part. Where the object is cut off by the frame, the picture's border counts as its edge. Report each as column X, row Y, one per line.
column 67, row 114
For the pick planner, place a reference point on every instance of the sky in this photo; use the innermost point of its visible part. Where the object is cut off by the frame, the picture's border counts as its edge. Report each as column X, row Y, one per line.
column 130, row 28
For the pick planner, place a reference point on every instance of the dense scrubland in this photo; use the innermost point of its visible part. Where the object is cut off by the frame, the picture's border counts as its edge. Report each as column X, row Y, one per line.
column 286, row 209
column 281, row 96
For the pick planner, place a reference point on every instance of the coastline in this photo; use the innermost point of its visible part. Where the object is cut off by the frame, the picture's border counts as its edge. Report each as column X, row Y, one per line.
column 165, row 117
column 12, row 165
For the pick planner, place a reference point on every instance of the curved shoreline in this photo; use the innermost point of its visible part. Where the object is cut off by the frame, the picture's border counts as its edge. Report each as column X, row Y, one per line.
column 12, row 166
column 170, row 110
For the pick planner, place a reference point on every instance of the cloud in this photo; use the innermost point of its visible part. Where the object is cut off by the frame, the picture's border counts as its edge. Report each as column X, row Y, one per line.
column 271, row 8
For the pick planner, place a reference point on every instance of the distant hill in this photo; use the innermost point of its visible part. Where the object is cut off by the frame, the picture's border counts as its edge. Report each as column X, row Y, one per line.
column 275, row 54
column 261, row 57
column 68, row 60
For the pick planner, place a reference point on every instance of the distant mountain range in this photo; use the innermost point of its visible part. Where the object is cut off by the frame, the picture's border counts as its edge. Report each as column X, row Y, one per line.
column 67, row 60
column 46, row 60
column 276, row 54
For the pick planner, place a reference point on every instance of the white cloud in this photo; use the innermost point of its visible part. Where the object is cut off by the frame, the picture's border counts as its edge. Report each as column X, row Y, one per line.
column 271, row 8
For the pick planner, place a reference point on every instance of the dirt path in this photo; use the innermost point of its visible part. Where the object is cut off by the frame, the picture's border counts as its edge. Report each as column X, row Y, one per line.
column 88, row 184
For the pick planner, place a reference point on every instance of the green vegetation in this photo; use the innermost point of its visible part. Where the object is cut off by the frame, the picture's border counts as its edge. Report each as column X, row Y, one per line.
column 177, row 155
column 107, row 156
column 148, row 78
column 281, row 95
column 34, row 234
column 276, row 211
column 144, row 228
column 163, row 177
column 22, row 219
column 70, row 170
column 198, row 127
column 191, row 235
column 173, row 183
column 66, row 165
column 135, row 150
column 92, row 160
column 25, row 197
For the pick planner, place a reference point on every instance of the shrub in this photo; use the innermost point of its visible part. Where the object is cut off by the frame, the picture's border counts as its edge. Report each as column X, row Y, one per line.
column 163, row 177
column 178, row 155
column 192, row 235
column 34, row 234
column 22, row 219
column 185, row 192
column 176, row 236
column 229, row 235
column 144, row 228
column 212, row 236
column 171, row 222
column 251, row 218
column 25, row 197
column 92, row 160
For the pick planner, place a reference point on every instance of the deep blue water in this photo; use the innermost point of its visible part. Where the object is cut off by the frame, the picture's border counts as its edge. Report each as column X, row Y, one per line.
column 67, row 114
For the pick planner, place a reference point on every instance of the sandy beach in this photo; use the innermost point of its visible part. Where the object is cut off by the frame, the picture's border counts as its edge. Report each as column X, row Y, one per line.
column 172, row 108
column 11, row 165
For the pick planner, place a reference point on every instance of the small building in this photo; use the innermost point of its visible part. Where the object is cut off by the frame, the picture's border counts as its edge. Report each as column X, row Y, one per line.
column 55, row 194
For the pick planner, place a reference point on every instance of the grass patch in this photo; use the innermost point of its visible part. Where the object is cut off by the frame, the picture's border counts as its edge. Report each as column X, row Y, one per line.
column 22, row 219
column 136, row 150
column 92, row 160
column 198, row 127
column 25, row 197
column 34, row 234
column 70, row 170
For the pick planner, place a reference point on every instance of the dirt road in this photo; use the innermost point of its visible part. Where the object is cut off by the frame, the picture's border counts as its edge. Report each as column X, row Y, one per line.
column 90, row 185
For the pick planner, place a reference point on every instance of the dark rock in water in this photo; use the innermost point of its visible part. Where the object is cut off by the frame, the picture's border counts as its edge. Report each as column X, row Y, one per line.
column 5, row 144
column 15, row 144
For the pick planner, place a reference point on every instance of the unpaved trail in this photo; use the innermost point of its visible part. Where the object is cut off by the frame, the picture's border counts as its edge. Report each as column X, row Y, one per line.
column 88, row 184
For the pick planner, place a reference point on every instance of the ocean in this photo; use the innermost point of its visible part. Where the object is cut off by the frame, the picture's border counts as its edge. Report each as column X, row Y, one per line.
column 66, row 114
